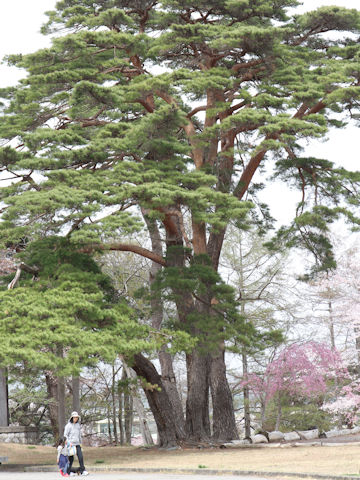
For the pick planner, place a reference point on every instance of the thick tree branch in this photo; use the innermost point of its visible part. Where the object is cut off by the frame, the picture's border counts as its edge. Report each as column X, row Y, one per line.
column 89, row 249
column 252, row 166
column 149, row 108
column 253, row 63
column 196, row 110
column 316, row 108
column 248, row 174
column 304, row 110
column 232, row 109
column 125, row 247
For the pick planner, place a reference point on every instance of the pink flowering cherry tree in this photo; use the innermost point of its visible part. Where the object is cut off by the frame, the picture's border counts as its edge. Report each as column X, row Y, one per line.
column 299, row 370
column 347, row 404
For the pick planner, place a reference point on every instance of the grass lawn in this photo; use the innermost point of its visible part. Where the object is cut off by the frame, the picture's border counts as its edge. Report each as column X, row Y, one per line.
column 332, row 460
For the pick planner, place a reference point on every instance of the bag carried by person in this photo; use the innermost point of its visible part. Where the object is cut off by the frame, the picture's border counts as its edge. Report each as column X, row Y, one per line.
column 71, row 450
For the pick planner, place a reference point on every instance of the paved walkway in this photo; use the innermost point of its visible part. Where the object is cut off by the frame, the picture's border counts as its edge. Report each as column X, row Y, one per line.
column 120, row 476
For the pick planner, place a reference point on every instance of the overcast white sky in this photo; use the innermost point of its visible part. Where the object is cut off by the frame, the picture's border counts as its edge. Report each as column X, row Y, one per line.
column 20, row 22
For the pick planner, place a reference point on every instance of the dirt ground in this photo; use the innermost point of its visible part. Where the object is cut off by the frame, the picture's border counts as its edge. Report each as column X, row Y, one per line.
column 332, row 460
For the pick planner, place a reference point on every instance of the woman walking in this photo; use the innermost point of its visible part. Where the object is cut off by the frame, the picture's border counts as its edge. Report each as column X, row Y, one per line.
column 72, row 433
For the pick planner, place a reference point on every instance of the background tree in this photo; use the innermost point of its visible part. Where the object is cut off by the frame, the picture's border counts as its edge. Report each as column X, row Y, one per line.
column 336, row 302
column 297, row 372
column 65, row 320
column 262, row 290
column 335, row 305
column 106, row 121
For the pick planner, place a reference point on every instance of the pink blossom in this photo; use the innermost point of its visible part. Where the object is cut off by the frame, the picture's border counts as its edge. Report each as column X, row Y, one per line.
column 298, row 370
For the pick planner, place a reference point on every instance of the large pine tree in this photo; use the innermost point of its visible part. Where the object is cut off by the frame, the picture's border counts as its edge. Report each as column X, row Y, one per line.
column 166, row 110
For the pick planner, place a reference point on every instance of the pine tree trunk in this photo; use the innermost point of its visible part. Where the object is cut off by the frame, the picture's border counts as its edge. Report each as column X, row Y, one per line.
column 157, row 309
column 61, row 404
column 169, row 433
column 170, row 385
column 4, row 409
column 197, row 401
column 76, row 394
column 51, row 386
column 224, row 426
column 197, row 423
column 198, row 363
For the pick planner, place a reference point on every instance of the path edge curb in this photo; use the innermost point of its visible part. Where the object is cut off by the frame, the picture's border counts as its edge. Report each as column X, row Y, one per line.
column 205, row 471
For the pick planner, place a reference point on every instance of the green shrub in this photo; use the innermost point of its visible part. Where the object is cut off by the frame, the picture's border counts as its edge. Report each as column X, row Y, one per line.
column 306, row 416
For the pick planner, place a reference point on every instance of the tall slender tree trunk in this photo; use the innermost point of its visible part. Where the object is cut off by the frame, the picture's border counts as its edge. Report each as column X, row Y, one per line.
column 128, row 418
column 246, row 393
column 113, row 400
column 244, row 358
column 120, row 414
column 170, row 385
column 61, row 404
column 128, row 412
column 109, row 423
column 4, row 408
column 75, row 383
column 52, row 391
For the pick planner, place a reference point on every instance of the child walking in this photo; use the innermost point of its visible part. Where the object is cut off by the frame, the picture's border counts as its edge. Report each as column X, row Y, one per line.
column 62, row 457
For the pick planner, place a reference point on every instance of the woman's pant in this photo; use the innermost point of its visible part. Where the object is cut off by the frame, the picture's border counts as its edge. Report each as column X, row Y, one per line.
column 80, row 458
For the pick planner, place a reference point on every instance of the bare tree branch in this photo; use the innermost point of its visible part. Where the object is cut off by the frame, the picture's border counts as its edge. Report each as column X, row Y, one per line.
column 20, row 268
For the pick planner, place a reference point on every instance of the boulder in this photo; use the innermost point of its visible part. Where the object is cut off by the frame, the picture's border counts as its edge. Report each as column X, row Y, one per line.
column 336, row 432
column 236, row 443
column 275, row 436
column 259, row 438
column 309, row 434
column 333, row 433
column 291, row 436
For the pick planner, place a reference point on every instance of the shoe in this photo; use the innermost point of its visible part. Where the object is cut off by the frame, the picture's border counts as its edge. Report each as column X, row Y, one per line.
column 85, row 473
column 72, row 474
